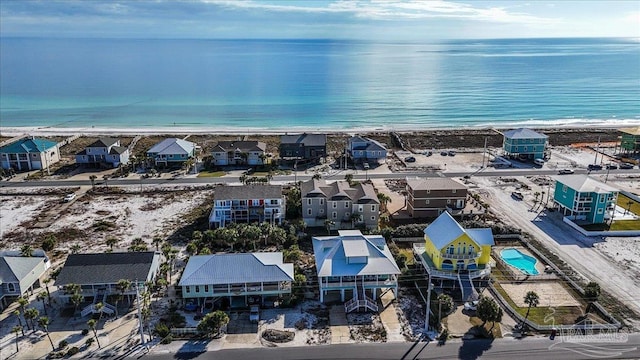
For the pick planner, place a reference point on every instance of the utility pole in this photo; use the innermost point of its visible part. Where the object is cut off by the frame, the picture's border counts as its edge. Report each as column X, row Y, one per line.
column 426, row 321
column 142, row 342
column 597, row 150
column 484, row 151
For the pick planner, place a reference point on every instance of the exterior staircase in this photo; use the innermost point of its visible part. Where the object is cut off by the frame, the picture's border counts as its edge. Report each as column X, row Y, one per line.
column 91, row 308
column 360, row 302
column 469, row 292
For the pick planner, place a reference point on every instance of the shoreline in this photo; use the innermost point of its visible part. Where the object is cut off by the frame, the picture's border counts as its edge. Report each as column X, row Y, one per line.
column 183, row 130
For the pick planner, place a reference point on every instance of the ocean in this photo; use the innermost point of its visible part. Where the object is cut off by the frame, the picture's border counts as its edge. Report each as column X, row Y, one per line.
column 289, row 85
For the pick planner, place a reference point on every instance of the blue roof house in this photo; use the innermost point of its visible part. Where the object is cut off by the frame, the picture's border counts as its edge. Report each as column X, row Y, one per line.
column 29, row 154
column 356, row 264
column 583, row 198
column 525, row 143
column 362, row 149
column 238, row 279
column 172, row 151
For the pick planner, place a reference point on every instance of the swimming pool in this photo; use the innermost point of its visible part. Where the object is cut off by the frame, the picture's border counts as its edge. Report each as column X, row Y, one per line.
column 522, row 262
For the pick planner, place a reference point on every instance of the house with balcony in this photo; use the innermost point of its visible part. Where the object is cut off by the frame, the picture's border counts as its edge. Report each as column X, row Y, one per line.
column 247, row 204
column 365, row 150
column 455, row 253
column 104, row 152
column 29, row 153
column 630, row 139
column 525, row 144
column 98, row 275
column 20, row 275
column 236, row 280
column 358, row 267
column 429, row 197
column 346, row 206
column 585, row 199
column 303, row 147
column 240, row 153
column 172, row 152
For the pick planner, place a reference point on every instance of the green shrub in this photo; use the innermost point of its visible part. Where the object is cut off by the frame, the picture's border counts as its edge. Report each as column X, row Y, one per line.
column 167, row 339
column 90, row 341
column 72, row 351
column 85, row 332
column 62, row 344
column 162, row 330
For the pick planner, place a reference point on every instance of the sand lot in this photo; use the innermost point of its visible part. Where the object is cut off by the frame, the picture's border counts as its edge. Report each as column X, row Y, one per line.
column 551, row 293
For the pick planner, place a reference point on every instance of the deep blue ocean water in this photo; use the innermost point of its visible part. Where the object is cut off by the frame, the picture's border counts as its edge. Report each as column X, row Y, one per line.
column 318, row 84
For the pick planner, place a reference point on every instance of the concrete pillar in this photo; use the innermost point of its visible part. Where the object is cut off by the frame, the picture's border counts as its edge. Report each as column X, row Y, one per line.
column 321, row 294
column 342, row 295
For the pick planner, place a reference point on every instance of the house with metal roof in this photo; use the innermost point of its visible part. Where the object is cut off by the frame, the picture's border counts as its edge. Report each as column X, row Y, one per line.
column 584, row 198
column 239, row 153
column 429, row 197
column 172, row 151
column 246, row 204
column 29, row 153
column 303, row 146
column 20, row 274
column 455, row 253
column 355, row 265
column 525, row 143
column 346, row 206
column 98, row 275
column 236, row 280
column 104, row 151
column 363, row 149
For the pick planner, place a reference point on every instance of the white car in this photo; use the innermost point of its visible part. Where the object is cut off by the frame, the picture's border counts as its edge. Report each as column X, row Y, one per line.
column 473, row 305
column 69, row 197
column 565, row 171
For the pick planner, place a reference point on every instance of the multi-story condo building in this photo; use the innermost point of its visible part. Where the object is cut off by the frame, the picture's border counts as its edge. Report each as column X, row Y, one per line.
column 246, row 204
column 583, row 198
column 429, row 197
column 525, row 143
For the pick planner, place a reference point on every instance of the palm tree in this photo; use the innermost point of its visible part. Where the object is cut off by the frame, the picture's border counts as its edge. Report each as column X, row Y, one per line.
column 349, row 179
column 269, row 176
column 384, row 199
column 16, row 329
column 44, row 322
column 17, row 314
column 156, row 241
column 536, row 194
column 532, row 299
column 99, row 307
column 328, row 224
column 31, row 314
column 92, row 325
column 46, row 286
column 93, row 181
column 75, row 248
column 355, row 217
column 41, row 296
column 111, row 241
column 122, row 286
column 591, row 293
column 243, row 179
column 26, row 250
column 76, row 299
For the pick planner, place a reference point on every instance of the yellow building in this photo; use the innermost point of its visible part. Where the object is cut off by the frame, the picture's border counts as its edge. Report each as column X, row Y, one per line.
column 452, row 248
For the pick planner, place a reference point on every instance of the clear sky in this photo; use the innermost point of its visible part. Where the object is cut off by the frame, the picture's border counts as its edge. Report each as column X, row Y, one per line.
column 375, row 20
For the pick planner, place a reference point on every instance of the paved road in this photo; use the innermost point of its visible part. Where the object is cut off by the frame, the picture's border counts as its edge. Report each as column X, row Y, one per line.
column 538, row 348
column 300, row 177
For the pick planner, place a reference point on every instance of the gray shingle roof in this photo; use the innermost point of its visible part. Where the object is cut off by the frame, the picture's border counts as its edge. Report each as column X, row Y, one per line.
column 236, row 269
column 107, row 268
column 370, row 144
column 104, row 142
column 433, row 183
column 306, row 139
column 16, row 268
column 243, row 146
column 360, row 193
column 247, row 192
column 118, row 150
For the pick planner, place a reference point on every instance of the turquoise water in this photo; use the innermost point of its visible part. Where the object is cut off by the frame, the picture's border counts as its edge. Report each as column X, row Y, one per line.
column 318, row 84
column 520, row 261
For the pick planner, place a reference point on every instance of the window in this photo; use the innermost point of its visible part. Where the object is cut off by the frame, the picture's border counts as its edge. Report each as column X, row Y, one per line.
column 599, row 211
column 334, row 215
column 171, row 155
column 373, row 218
column 602, row 197
column 346, row 204
column 335, row 204
column 197, row 288
column 564, row 188
column 274, row 201
column 448, row 201
column 308, row 201
column 206, row 288
column 347, row 214
column 373, row 208
column 187, row 289
column 321, row 211
column 321, row 201
column 453, row 191
column 12, row 287
column 309, row 211
column 426, row 202
column 428, row 191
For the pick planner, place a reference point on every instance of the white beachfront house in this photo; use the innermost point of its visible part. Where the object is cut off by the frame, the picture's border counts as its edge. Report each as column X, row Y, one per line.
column 172, row 151
column 355, row 265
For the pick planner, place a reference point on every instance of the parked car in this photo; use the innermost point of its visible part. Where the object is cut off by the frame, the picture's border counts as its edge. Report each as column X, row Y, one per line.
column 594, row 167
column 254, row 314
column 365, row 166
column 538, row 162
column 517, row 195
column 410, row 159
column 565, row 171
column 427, row 153
column 452, row 153
column 612, row 166
column 444, row 153
column 473, row 305
column 69, row 197
column 626, row 166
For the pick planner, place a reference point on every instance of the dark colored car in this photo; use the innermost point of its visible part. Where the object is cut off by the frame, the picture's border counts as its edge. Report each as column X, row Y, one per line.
column 612, row 166
column 444, row 153
column 626, row 166
column 594, row 167
column 410, row 159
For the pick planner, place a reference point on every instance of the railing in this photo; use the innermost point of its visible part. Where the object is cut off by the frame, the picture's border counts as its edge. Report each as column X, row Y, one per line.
column 460, row 256
column 388, row 282
column 355, row 304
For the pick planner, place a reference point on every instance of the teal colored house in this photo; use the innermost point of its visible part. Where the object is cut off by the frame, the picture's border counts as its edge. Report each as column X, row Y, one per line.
column 29, row 154
column 525, row 143
column 585, row 199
